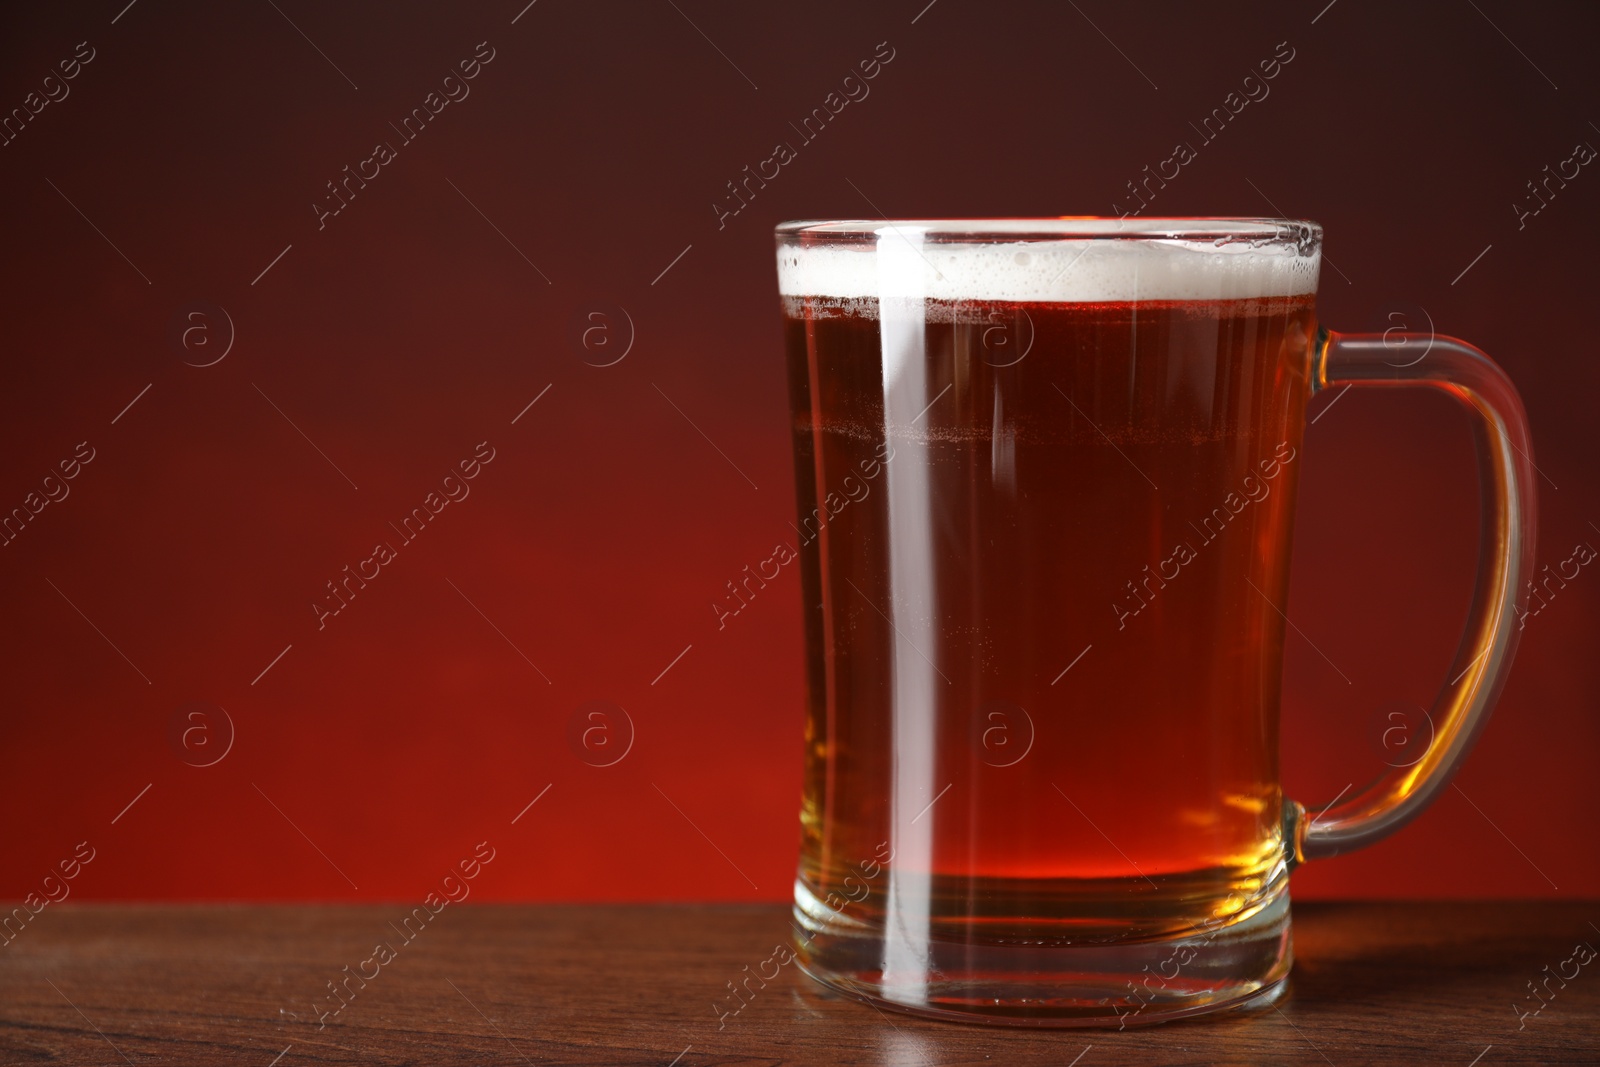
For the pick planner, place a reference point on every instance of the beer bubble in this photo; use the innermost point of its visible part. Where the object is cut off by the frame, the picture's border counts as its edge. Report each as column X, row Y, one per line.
column 600, row 733
column 200, row 733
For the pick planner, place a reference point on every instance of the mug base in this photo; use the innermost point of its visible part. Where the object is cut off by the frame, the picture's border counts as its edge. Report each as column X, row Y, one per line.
column 1238, row 966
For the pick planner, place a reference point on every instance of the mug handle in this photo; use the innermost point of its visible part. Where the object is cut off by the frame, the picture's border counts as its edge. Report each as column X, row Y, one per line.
column 1505, row 560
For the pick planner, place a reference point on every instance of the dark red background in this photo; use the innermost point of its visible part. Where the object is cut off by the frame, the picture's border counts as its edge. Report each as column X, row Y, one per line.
column 408, row 330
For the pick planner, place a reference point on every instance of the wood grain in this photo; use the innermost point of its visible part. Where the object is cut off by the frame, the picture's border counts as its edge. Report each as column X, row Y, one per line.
column 1412, row 983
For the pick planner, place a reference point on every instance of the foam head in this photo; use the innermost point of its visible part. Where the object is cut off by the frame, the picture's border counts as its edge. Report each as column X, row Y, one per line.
column 1049, row 261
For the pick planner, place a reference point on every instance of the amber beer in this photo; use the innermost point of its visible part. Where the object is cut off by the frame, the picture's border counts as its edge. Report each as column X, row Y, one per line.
column 1043, row 642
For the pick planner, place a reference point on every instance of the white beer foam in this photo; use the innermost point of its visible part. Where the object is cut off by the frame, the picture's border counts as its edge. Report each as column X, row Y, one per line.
column 1068, row 271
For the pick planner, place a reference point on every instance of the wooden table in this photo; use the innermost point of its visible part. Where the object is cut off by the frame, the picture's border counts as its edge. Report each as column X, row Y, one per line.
column 1374, row 983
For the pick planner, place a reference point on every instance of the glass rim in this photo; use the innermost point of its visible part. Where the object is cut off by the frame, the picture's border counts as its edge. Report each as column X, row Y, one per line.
column 1216, row 229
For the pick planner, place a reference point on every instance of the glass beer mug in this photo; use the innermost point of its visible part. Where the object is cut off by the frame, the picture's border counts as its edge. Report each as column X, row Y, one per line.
column 1046, row 474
